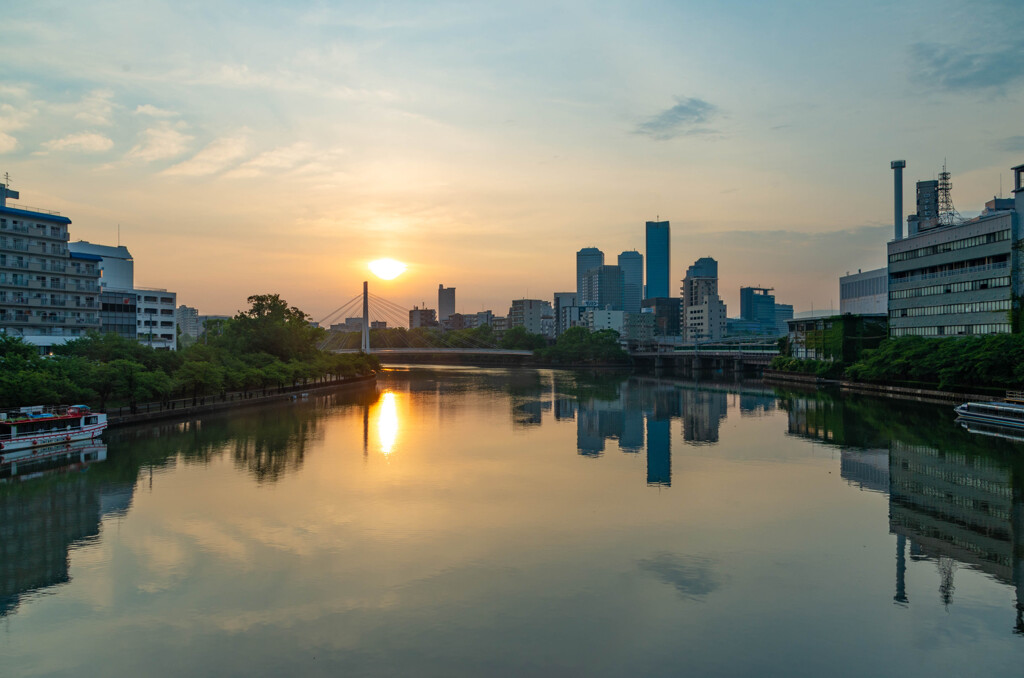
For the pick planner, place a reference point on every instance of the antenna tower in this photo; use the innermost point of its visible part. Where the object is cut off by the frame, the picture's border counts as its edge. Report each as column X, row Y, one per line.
column 948, row 216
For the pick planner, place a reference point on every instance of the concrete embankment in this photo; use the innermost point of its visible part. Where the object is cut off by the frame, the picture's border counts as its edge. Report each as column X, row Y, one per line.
column 184, row 409
column 900, row 392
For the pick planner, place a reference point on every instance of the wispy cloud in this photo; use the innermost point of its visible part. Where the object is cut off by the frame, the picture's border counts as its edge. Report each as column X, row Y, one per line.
column 160, row 142
column 7, row 143
column 688, row 117
column 12, row 118
column 217, row 156
column 282, row 158
column 955, row 68
column 153, row 111
column 1013, row 144
column 85, row 142
column 95, row 108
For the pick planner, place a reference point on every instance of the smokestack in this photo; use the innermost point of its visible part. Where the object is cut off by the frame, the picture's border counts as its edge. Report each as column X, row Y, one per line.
column 897, row 190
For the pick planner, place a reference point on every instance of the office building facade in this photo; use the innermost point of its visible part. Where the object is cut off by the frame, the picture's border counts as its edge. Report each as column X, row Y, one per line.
column 586, row 259
column 962, row 278
column 864, row 292
column 658, row 259
column 603, row 287
column 632, row 265
column 534, row 315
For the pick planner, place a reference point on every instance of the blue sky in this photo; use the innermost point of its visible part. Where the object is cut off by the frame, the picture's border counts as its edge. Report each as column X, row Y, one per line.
column 248, row 147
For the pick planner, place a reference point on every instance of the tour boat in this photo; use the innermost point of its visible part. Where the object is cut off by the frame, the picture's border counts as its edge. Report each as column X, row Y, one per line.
column 33, row 427
column 1006, row 414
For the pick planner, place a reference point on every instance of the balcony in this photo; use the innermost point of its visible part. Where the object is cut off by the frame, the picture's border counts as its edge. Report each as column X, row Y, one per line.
column 84, row 288
column 14, row 228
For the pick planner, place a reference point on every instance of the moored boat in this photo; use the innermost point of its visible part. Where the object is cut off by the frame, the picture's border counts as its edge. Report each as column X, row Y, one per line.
column 33, row 427
column 1006, row 414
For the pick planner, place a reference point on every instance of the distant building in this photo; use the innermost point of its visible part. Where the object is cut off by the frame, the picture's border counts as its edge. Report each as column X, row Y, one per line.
column 47, row 296
column 757, row 305
column 667, row 312
column 638, row 331
column 586, row 259
column 603, row 288
column 422, row 317
column 783, row 314
column 632, row 265
column 188, row 320
column 707, row 320
column 534, row 315
column 378, row 324
column 703, row 315
column 445, row 302
column 598, row 319
column 454, row 321
column 571, row 316
column 563, row 300
column 951, row 277
column 864, row 292
column 658, row 259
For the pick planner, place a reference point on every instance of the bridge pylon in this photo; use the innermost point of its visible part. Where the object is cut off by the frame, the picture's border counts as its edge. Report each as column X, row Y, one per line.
column 364, row 344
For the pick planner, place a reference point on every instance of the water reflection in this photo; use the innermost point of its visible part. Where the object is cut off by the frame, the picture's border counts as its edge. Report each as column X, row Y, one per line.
column 48, row 504
column 956, row 499
column 387, row 422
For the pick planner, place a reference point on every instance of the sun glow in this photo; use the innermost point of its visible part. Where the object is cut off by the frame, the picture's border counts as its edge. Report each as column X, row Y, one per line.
column 388, row 269
column 387, row 423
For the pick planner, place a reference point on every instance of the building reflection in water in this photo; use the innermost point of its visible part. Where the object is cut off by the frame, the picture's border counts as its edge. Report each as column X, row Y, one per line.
column 956, row 499
column 47, row 506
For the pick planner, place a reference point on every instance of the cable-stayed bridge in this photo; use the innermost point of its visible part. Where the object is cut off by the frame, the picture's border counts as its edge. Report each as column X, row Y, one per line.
column 384, row 330
column 392, row 337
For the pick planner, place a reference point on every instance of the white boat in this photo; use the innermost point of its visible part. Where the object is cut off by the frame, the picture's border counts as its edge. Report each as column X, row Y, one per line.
column 1005, row 414
column 35, row 427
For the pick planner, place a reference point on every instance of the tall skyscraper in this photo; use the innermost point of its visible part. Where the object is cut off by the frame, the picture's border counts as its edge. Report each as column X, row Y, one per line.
column 445, row 302
column 658, row 259
column 586, row 259
column 632, row 265
column 602, row 288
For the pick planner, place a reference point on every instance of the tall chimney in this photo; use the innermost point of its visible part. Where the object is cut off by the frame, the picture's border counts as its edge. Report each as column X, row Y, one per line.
column 897, row 189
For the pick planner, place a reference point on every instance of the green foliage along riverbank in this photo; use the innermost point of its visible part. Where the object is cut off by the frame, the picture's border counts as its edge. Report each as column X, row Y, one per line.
column 992, row 361
column 269, row 346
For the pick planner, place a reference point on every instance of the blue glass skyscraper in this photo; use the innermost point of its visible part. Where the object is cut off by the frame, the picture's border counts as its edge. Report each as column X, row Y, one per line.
column 657, row 259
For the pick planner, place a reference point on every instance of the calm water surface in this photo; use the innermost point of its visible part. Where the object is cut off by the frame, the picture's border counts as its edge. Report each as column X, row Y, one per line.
column 466, row 522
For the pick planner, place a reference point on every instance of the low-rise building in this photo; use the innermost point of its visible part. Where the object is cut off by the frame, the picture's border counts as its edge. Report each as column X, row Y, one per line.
column 534, row 315
column 835, row 337
column 420, row 317
column 864, row 292
column 598, row 319
column 707, row 320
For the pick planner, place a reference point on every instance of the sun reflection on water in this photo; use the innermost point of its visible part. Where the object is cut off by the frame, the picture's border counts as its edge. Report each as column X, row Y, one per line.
column 387, row 422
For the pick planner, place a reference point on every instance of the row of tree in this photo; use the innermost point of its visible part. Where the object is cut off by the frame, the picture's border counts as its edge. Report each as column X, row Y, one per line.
column 575, row 345
column 991, row 361
column 267, row 347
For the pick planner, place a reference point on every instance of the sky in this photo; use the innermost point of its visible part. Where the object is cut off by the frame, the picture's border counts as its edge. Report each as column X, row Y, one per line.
column 262, row 147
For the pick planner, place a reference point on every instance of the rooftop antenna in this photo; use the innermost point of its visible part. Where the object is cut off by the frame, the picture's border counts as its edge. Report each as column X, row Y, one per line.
column 948, row 216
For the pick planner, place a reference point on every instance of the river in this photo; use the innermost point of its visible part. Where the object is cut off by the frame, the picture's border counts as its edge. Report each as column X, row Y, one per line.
column 474, row 522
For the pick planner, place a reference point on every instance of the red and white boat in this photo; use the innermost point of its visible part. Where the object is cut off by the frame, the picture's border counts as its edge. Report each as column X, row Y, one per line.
column 31, row 428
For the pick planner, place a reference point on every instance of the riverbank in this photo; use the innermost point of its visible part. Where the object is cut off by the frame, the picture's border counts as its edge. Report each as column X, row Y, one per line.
column 782, row 378
column 184, row 409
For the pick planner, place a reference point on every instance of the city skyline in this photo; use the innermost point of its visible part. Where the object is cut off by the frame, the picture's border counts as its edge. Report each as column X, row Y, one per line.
column 351, row 134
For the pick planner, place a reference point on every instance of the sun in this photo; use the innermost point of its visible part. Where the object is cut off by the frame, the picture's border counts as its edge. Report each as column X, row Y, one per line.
column 388, row 269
